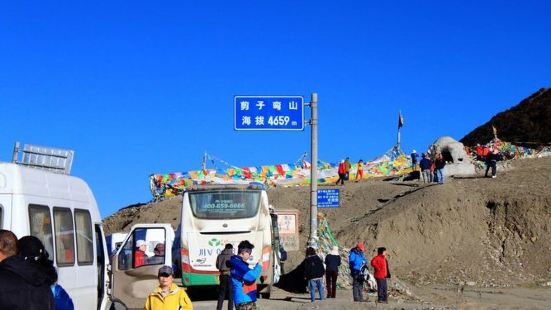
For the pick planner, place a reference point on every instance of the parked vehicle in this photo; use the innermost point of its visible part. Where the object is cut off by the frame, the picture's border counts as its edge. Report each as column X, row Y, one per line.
column 212, row 216
column 38, row 197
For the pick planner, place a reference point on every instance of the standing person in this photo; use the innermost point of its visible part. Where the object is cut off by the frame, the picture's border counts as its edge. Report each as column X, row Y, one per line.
column 439, row 164
column 244, row 278
column 479, row 152
column 360, row 172
column 167, row 295
column 491, row 162
column 313, row 273
column 332, row 263
column 342, row 173
column 32, row 250
column 282, row 258
column 23, row 286
column 414, row 157
column 225, row 288
column 356, row 260
column 380, row 266
column 139, row 255
column 159, row 255
column 347, row 167
column 425, row 164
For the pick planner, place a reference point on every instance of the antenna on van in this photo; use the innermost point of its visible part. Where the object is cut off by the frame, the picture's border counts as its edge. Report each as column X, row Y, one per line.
column 43, row 157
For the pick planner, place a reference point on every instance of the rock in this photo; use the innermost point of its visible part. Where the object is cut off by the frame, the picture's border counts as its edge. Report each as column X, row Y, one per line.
column 471, row 283
column 458, row 163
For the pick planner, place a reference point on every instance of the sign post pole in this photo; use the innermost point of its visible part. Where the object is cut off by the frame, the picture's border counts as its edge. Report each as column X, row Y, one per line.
column 313, row 239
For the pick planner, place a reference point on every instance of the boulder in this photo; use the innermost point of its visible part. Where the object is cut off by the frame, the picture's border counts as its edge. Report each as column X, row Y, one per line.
column 458, row 163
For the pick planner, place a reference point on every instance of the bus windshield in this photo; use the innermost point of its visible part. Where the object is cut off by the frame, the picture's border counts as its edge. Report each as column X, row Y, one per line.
column 224, row 204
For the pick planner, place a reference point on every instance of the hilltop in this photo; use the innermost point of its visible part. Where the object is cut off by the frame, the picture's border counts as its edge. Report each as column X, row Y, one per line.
column 490, row 232
column 528, row 122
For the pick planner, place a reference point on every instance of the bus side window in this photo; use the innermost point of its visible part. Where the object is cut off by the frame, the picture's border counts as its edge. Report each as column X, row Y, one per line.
column 1, row 218
column 83, row 226
column 40, row 224
column 64, row 237
column 125, row 255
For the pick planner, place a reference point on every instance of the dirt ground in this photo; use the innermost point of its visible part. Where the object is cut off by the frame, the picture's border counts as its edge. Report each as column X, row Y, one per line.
column 430, row 298
column 472, row 243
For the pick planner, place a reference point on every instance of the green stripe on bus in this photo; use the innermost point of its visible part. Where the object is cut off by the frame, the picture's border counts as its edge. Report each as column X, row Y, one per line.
column 192, row 279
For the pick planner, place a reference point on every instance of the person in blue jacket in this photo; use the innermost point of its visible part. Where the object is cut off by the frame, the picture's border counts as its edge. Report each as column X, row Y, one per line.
column 356, row 260
column 243, row 278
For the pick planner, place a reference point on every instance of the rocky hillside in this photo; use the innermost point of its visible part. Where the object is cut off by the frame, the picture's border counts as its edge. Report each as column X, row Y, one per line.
column 491, row 232
column 529, row 121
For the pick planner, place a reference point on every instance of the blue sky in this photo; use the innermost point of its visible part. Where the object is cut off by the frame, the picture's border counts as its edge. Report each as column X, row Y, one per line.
column 139, row 87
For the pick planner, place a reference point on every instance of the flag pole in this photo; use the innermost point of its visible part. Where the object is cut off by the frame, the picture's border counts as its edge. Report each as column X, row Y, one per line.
column 398, row 140
column 400, row 124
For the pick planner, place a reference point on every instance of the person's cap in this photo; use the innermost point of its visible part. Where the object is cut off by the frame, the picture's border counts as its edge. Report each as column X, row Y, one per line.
column 165, row 271
column 414, row 151
column 360, row 246
column 335, row 250
column 139, row 243
column 342, row 160
column 31, row 248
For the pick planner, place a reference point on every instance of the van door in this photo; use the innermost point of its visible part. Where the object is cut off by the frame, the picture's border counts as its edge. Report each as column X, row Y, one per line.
column 136, row 264
column 103, row 266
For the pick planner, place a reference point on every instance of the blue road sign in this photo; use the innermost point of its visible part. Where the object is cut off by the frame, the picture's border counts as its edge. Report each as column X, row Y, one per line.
column 328, row 198
column 269, row 113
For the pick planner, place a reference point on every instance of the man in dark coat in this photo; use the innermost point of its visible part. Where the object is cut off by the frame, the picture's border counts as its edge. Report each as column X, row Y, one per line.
column 22, row 285
column 491, row 162
column 222, row 263
column 313, row 272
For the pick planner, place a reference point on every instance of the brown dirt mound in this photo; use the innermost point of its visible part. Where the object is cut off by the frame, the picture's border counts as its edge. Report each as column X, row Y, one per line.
column 493, row 232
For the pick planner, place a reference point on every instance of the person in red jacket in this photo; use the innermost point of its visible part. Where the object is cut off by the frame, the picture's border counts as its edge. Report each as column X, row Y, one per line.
column 380, row 266
column 342, row 173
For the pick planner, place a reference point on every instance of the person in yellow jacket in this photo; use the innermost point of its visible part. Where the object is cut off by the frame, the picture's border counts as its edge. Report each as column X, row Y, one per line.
column 167, row 296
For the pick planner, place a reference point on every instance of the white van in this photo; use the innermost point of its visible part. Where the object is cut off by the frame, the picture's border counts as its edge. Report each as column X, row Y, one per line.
column 61, row 211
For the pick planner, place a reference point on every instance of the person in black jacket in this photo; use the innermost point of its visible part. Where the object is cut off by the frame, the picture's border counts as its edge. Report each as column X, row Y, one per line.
column 491, row 162
column 222, row 264
column 425, row 164
column 332, row 263
column 313, row 272
column 439, row 163
column 23, row 286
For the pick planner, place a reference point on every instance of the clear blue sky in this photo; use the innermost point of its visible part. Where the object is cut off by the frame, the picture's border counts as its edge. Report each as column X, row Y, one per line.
column 142, row 86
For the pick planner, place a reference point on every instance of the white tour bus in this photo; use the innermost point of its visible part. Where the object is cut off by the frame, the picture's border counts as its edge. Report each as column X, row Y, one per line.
column 211, row 217
column 61, row 211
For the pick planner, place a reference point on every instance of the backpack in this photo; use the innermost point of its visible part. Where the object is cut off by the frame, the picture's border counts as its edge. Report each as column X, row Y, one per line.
column 313, row 267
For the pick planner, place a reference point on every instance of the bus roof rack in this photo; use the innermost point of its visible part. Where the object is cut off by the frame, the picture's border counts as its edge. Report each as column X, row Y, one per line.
column 43, row 157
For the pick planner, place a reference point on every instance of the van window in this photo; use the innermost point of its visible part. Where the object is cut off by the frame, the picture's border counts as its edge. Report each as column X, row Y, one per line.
column 83, row 226
column 40, row 223
column 125, row 255
column 64, row 237
column 146, row 246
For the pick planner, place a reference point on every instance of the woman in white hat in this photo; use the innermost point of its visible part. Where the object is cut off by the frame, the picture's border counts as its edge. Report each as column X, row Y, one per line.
column 332, row 263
